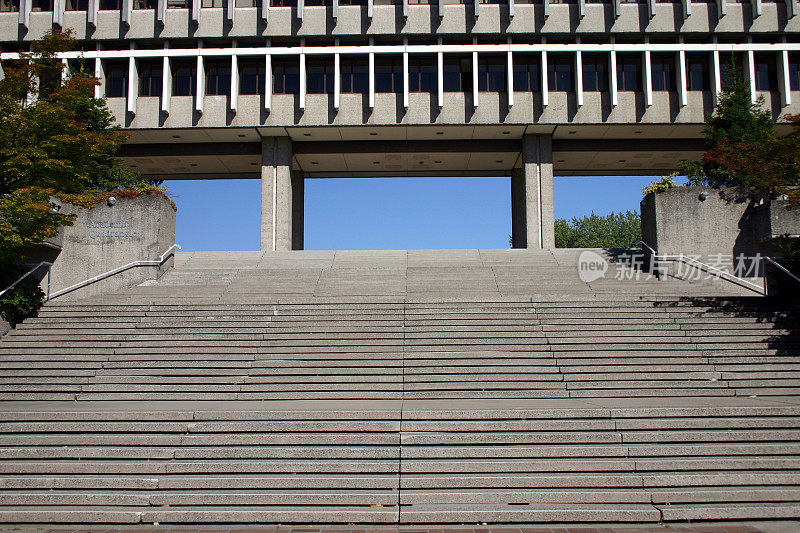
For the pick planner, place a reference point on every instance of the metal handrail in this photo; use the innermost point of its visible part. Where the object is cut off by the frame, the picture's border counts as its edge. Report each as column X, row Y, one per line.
column 156, row 262
column 646, row 246
column 28, row 273
column 725, row 275
column 781, row 267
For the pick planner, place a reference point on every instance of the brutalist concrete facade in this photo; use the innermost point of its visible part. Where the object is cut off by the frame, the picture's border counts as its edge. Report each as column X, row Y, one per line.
column 282, row 91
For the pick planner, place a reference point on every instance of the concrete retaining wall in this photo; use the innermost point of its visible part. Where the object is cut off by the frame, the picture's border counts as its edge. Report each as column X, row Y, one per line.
column 106, row 237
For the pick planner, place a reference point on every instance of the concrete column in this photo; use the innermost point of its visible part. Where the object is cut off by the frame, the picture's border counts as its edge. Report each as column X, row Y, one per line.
column 532, row 216
column 281, row 196
column 298, row 210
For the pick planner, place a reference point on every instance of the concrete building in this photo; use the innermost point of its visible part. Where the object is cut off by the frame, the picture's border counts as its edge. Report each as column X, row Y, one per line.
column 285, row 90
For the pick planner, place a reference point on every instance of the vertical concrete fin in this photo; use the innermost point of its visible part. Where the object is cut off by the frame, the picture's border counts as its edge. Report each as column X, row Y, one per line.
column 265, row 10
column 197, row 4
column 58, row 12
column 510, row 74
column 578, row 78
column 25, row 7
column 127, row 11
column 683, row 94
column 166, row 81
column 200, row 81
column 371, row 76
column 234, row 99
column 405, row 72
column 475, row 80
column 161, row 10
column 716, row 72
column 91, row 12
column 133, row 86
column 268, row 81
column 545, row 74
column 612, row 77
column 750, row 73
column 784, row 79
column 337, row 79
column 98, row 73
column 440, row 77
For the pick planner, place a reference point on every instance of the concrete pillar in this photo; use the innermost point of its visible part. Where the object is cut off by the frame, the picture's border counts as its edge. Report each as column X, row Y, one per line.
column 532, row 215
column 281, row 197
column 298, row 210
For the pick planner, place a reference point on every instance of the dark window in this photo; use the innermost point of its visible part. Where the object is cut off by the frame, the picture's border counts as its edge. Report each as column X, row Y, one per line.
column 286, row 76
column 457, row 75
column 794, row 72
column 42, row 5
column 355, row 75
column 110, row 5
column 422, row 74
column 116, row 78
column 76, row 5
column 595, row 72
column 559, row 72
column 145, row 4
column 697, row 72
column 177, row 4
column 492, row 73
column 319, row 76
column 81, row 67
column 662, row 67
column 184, row 77
column 352, row 2
column 526, row 73
column 252, row 74
column 729, row 63
column 9, row 5
column 389, row 75
column 151, row 74
column 766, row 72
column 283, row 3
column 629, row 72
column 49, row 80
column 218, row 76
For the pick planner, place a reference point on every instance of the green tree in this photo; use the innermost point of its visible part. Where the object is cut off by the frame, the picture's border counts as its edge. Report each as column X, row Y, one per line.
column 55, row 138
column 742, row 148
column 56, row 135
column 616, row 230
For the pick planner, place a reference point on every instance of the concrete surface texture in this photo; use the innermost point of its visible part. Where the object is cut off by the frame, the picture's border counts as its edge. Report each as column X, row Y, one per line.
column 107, row 237
column 402, row 387
column 715, row 225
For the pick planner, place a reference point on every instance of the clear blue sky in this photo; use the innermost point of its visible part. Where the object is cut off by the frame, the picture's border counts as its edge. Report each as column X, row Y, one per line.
column 385, row 213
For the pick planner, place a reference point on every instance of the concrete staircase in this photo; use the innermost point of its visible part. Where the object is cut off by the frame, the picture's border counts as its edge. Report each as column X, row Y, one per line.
column 402, row 387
